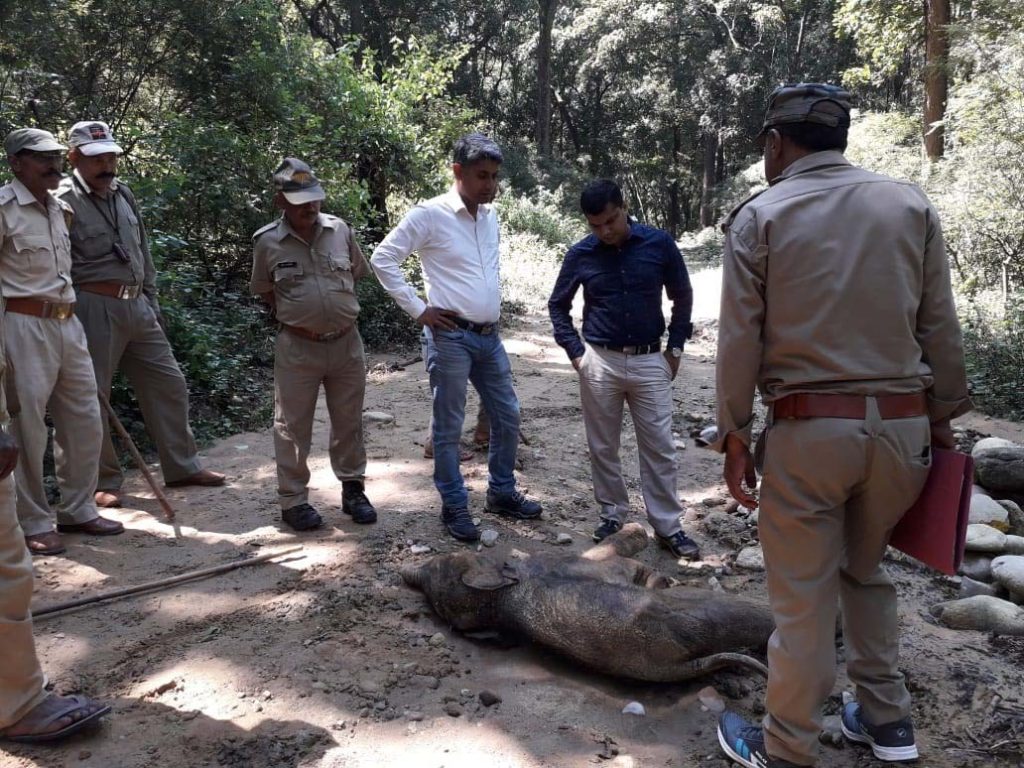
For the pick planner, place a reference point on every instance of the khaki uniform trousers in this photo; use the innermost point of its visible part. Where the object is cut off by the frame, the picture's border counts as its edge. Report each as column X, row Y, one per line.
column 831, row 492
column 53, row 368
column 125, row 334
column 300, row 367
column 607, row 381
column 21, row 679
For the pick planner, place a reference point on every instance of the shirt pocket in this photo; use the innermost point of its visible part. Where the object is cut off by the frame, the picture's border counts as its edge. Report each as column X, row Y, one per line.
column 287, row 277
column 35, row 252
column 339, row 266
column 92, row 240
column 131, row 228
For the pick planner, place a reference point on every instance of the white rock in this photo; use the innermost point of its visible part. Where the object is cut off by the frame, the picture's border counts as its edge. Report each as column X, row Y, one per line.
column 987, row 511
column 1014, row 545
column 634, row 708
column 977, row 567
column 971, row 588
column 379, row 417
column 1008, row 570
column 419, row 549
column 489, row 537
column 563, row 539
column 984, row 613
column 751, row 559
column 437, row 639
column 985, row 538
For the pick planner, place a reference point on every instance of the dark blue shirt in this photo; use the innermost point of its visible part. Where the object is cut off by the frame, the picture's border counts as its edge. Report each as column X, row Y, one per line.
column 622, row 292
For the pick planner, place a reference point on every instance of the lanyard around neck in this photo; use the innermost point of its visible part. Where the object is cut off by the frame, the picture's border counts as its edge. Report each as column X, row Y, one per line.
column 112, row 221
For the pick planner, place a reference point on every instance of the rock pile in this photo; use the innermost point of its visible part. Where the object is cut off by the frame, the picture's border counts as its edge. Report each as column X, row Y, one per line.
column 992, row 574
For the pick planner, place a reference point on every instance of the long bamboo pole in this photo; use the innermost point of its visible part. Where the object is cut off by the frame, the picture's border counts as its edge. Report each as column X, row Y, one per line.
column 161, row 583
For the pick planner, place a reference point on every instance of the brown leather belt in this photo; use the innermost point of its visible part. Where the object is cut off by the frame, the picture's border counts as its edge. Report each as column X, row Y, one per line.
column 808, row 406
column 114, row 290
column 329, row 336
column 53, row 310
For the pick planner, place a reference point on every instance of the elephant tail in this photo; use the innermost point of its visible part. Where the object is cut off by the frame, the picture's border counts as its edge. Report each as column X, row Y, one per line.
column 708, row 664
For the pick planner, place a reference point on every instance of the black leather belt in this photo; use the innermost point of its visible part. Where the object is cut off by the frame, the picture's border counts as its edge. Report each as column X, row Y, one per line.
column 484, row 329
column 642, row 349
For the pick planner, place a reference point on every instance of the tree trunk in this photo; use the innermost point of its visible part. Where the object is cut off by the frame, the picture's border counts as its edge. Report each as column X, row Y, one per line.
column 936, row 81
column 707, row 210
column 543, row 129
column 674, row 217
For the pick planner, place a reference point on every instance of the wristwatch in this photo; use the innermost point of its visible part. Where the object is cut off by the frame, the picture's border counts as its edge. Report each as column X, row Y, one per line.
column 676, row 352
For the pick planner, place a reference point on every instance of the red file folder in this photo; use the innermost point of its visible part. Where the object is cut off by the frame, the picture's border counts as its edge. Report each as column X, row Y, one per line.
column 934, row 530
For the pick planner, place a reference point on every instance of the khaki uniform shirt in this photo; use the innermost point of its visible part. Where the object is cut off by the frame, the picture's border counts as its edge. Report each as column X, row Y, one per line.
column 835, row 280
column 35, row 252
column 314, row 284
column 93, row 236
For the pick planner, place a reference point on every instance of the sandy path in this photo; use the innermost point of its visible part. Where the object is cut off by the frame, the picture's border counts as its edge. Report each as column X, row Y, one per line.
column 328, row 660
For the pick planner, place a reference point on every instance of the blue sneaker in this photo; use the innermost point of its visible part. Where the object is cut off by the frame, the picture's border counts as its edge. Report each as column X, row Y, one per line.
column 743, row 742
column 892, row 742
column 459, row 523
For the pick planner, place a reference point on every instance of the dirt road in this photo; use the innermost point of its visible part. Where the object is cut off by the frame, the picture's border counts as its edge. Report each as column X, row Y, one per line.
column 329, row 660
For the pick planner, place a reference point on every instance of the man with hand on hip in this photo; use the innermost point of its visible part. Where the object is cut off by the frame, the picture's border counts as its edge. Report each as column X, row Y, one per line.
column 456, row 235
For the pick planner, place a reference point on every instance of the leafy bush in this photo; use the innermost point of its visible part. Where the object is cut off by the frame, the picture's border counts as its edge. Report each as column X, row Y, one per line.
column 540, row 215
column 994, row 347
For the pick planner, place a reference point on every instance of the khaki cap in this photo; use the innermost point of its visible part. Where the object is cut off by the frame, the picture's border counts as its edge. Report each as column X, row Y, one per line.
column 91, row 137
column 295, row 180
column 34, row 139
column 819, row 103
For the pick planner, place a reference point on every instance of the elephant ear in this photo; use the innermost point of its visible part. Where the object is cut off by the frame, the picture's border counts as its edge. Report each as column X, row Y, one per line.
column 490, row 576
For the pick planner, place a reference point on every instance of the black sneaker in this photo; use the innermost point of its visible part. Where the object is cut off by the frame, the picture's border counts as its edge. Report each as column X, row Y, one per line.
column 302, row 517
column 513, row 505
column 892, row 742
column 743, row 742
column 680, row 545
column 459, row 523
column 607, row 528
column 355, row 504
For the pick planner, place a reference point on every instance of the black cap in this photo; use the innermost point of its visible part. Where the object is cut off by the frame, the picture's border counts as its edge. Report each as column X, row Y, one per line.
column 808, row 103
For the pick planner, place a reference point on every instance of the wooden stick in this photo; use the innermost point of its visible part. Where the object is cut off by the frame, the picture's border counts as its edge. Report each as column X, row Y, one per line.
column 165, row 505
column 161, row 583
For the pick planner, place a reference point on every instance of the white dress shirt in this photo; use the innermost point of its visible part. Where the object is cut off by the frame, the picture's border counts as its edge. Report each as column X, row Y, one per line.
column 459, row 255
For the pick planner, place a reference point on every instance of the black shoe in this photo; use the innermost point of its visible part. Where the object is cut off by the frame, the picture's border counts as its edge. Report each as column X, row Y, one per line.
column 892, row 742
column 302, row 518
column 680, row 545
column 607, row 528
column 459, row 523
column 355, row 504
column 513, row 505
column 744, row 742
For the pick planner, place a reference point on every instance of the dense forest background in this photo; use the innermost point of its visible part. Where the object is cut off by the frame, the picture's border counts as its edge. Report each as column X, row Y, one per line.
column 665, row 96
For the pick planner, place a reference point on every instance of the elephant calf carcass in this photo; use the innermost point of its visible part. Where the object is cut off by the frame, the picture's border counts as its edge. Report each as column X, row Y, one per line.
column 601, row 609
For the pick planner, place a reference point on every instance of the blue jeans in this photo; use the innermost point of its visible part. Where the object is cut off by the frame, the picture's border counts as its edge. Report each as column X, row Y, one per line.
column 453, row 359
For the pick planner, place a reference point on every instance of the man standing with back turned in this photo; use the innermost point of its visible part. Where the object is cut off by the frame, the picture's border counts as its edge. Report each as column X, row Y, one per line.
column 852, row 338
column 456, row 235
column 623, row 268
column 116, row 286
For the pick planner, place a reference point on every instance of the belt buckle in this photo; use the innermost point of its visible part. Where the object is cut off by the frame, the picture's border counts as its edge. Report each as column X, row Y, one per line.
column 487, row 330
column 629, row 350
column 58, row 311
column 125, row 292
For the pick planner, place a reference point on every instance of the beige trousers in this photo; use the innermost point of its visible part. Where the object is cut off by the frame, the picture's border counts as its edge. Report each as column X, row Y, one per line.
column 53, row 369
column 607, row 381
column 124, row 334
column 831, row 492
column 21, row 679
column 300, row 367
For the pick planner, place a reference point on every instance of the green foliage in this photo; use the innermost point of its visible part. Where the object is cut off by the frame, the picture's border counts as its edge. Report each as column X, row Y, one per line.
column 994, row 346
column 541, row 216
